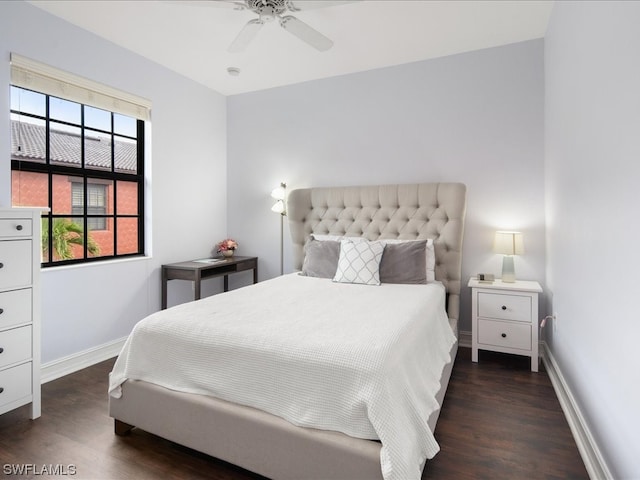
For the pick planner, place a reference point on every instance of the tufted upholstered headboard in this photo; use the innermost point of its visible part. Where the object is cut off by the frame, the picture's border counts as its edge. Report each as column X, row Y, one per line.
column 405, row 212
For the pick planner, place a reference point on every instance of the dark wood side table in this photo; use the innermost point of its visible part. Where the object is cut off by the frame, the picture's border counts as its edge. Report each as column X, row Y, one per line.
column 196, row 270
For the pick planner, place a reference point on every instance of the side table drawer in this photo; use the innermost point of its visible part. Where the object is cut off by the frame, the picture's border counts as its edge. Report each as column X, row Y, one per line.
column 15, row 261
column 248, row 265
column 504, row 334
column 15, row 227
column 504, row 307
column 15, row 345
column 15, row 383
column 15, row 307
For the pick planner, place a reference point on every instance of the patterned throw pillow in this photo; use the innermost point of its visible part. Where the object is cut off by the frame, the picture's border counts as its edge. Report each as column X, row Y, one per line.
column 359, row 262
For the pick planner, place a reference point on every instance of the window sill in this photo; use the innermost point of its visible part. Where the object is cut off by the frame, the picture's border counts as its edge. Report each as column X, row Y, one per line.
column 114, row 261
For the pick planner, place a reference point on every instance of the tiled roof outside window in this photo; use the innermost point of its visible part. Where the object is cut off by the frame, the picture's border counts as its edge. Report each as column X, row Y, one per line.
column 65, row 148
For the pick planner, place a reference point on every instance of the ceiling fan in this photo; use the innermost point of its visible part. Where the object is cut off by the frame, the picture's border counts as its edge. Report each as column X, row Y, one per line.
column 271, row 10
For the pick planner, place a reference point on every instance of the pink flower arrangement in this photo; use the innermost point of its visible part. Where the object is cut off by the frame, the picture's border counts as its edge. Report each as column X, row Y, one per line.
column 228, row 244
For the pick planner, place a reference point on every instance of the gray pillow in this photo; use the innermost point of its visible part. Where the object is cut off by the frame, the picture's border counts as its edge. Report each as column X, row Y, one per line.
column 404, row 263
column 321, row 258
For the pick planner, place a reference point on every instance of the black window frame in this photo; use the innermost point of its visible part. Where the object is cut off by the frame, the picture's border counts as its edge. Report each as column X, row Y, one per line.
column 87, row 175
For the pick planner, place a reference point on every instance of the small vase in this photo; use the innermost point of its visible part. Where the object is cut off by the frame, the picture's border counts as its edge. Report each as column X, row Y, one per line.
column 227, row 253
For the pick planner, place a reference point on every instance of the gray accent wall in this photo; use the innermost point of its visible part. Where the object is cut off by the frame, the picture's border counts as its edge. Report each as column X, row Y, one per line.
column 475, row 118
column 592, row 173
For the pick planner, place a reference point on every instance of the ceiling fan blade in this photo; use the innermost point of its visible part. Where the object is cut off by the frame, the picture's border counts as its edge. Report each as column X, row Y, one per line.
column 235, row 4
column 245, row 36
column 305, row 33
column 297, row 5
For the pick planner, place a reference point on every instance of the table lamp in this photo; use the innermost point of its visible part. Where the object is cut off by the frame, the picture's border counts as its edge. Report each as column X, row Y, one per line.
column 508, row 244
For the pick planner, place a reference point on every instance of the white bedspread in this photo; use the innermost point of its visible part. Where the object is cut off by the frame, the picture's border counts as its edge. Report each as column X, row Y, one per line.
column 362, row 360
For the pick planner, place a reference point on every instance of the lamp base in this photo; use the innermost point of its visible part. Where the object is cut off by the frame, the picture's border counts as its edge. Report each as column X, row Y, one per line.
column 508, row 269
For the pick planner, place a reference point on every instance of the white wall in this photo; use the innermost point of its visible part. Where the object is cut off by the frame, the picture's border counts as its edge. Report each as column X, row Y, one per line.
column 475, row 118
column 87, row 306
column 592, row 168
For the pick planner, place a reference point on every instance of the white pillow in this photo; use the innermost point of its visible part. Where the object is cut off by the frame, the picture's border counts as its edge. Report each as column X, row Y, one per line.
column 359, row 262
column 431, row 253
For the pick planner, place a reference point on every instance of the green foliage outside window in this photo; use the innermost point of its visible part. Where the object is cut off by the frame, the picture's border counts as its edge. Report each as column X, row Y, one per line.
column 66, row 233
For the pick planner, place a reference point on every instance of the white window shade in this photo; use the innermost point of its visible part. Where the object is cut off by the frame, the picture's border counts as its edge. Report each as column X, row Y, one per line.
column 32, row 75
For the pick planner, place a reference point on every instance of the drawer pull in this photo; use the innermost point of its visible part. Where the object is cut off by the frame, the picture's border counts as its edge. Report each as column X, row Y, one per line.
column 1, row 264
column 1, row 389
column 1, row 311
column 1, row 349
column 504, row 335
column 18, row 227
column 504, row 307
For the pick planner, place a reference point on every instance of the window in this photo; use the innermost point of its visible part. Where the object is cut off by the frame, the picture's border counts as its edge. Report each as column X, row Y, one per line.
column 86, row 165
column 96, row 203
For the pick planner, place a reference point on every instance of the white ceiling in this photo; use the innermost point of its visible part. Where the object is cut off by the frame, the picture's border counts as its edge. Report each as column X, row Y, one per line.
column 191, row 38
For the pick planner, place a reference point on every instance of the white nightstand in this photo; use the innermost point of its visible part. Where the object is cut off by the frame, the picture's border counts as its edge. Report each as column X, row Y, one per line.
column 505, row 318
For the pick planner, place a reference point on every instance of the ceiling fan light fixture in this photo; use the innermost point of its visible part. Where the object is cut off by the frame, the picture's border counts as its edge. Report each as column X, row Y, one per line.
column 267, row 14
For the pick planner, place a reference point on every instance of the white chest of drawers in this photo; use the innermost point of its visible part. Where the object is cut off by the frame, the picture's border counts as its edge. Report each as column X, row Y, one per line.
column 505, row 318
column 20, row 309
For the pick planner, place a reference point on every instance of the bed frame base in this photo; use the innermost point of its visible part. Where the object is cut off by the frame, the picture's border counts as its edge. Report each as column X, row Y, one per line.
column 250, row 438
column 244, row 436
column 122, row 429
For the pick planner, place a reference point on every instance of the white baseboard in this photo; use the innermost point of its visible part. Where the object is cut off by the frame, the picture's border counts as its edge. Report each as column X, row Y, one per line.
column 78, row 361
column 589, row 450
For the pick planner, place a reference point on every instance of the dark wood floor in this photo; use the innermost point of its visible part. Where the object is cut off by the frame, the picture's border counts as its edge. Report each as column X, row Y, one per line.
column 499, row 421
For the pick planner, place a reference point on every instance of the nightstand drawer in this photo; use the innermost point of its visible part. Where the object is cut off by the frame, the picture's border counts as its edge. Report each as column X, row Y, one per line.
column 15, row 383
column 15, row 345
column 15, row 227
column 15, row 307
column 504, row 307
column 15, row 263
column 504, row 334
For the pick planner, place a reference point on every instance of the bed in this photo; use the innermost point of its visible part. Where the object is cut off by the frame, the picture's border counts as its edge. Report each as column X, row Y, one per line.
column 344, row 422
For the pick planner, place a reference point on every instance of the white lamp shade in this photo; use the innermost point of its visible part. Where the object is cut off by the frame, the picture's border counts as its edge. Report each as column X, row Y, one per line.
column 279, row 193
column 508, row 243
column 278, row 207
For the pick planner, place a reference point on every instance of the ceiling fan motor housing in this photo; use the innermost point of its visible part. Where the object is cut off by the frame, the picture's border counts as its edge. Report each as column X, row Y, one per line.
column 267, row 9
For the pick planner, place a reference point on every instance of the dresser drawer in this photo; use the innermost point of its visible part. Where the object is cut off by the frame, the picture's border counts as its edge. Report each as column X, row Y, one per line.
column 15, row 307
column 504, row 334
column 15, row 263
column 15, row 383
column 15, row 227
column 505, row 307
column 15, row 345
